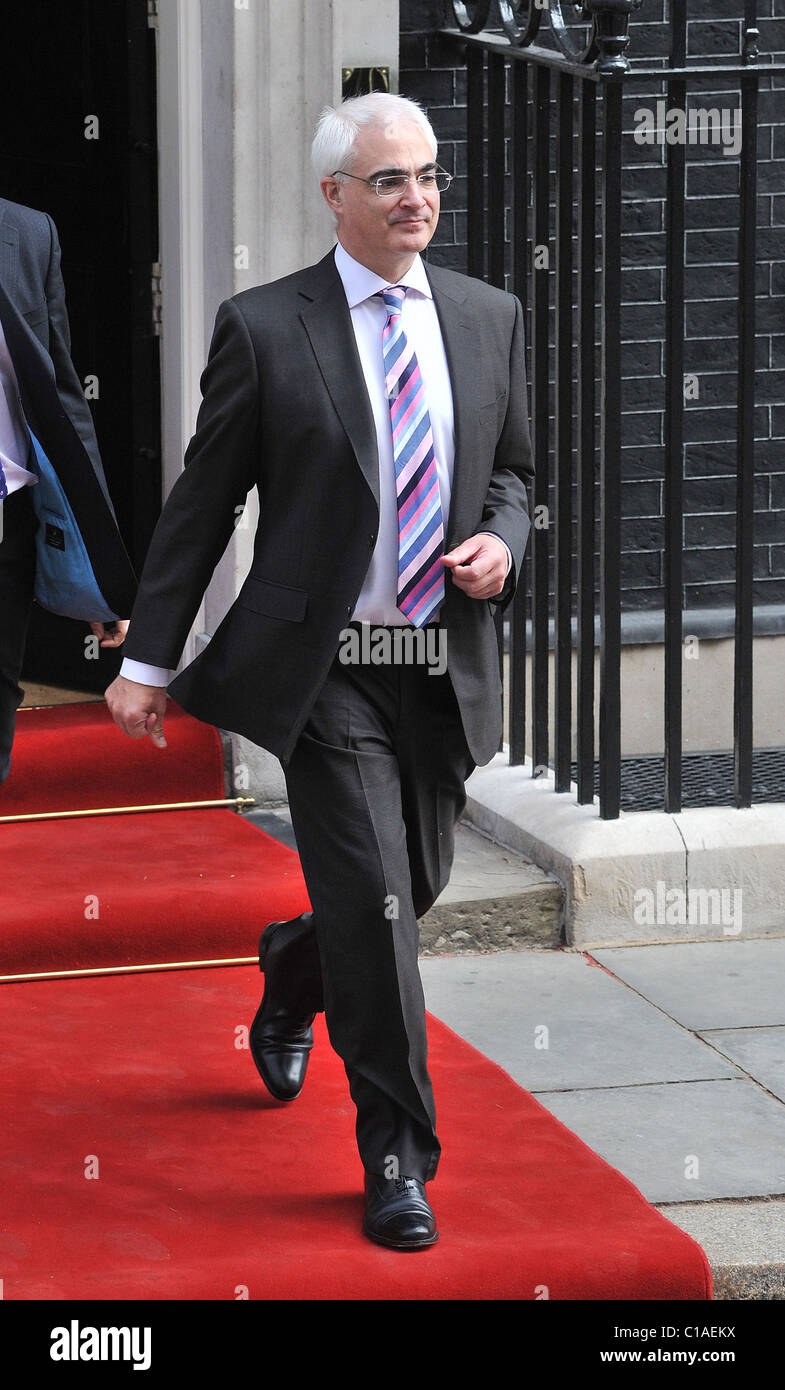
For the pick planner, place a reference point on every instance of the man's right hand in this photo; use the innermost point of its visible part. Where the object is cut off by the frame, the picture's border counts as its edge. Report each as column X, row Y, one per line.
column 138, row 709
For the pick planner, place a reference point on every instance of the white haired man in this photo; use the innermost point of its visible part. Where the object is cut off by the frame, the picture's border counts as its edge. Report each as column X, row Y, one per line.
column 380, row 408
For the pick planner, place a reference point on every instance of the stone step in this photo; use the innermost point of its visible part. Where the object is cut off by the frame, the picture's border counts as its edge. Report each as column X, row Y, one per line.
column 496, row 899
column 744, row 1243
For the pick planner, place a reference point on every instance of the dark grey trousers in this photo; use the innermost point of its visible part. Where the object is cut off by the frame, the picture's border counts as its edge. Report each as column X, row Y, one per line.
column 17, row 575
column 376, row 786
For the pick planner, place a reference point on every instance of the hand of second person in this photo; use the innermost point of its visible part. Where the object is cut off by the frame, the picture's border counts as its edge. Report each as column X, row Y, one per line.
column 138, row 709
column 479, row 566
column 111, row 639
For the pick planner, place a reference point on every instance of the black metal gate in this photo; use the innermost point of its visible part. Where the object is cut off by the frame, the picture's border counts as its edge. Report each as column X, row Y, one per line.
column 545, row 164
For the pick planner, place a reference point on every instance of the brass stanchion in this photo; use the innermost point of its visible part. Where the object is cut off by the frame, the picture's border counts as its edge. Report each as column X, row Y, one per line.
column 239, row 802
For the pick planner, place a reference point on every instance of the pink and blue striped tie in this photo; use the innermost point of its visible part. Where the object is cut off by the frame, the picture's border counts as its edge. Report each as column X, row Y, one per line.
column 420, row 528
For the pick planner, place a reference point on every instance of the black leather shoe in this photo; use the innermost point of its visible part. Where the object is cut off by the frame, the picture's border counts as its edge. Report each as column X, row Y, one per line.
column 397, row 1213
column 280, row 1041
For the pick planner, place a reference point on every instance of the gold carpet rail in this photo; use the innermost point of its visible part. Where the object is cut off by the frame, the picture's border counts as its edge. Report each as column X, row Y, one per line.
column 239, row 803
column 130, row 969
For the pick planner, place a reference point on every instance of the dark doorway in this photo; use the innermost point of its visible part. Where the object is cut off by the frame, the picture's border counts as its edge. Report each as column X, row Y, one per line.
column 81, row 69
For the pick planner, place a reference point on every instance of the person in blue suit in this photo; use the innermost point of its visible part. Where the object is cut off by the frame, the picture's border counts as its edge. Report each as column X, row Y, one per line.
column 45, row 423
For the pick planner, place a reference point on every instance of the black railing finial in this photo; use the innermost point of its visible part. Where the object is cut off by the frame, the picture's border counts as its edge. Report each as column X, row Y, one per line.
column 611, row 24
column 749, row 52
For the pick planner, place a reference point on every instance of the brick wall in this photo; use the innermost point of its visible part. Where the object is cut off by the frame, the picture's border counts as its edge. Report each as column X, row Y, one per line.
column 433, row 74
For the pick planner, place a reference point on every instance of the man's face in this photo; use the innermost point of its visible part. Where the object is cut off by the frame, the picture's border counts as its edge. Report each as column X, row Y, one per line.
column 385, row 233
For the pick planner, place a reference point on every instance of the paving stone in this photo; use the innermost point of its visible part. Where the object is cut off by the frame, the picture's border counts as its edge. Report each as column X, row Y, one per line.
column 599, row 1032
column 758, row 1051
column 483, row 869
column 653, row 1134
column 278, row 824
column 707, row 984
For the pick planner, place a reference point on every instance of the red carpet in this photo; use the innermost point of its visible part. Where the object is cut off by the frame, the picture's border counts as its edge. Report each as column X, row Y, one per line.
column 113, row 891
column 141, row 1157
column 205, row 1186
column 69, row 757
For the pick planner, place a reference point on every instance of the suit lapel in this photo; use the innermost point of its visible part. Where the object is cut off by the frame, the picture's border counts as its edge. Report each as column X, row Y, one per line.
column 29, row 355
column 32, row 363
column 325, row 315
column 9, row 256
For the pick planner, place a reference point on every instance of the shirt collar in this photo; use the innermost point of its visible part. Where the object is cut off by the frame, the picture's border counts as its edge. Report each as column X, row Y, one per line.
column 360, row 283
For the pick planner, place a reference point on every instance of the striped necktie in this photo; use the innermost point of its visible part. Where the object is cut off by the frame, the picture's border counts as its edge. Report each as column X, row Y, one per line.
column 420, row 530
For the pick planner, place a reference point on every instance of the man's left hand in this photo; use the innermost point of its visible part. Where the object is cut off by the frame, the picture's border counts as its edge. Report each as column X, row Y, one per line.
column 479, row 566
column 116, row 637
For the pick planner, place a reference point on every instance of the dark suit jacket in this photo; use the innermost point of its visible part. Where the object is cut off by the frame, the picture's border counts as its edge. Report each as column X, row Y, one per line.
column 285, row 407
column 35, row 323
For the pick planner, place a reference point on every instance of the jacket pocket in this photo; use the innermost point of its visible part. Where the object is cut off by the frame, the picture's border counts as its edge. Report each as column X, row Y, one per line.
column 273, row 600
column 493, row 405
column 38, row 314
column 491, row 415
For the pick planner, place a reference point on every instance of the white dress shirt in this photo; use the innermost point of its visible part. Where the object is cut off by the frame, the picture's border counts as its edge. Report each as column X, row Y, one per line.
column 14, row 438
column 377, row 599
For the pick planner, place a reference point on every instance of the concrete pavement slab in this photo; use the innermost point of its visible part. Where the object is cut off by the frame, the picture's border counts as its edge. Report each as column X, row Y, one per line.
column 690, row 1141
column 722, row 984
column 278, row 824
column 760, row 1052
column 553, row 1020
column 483, row 869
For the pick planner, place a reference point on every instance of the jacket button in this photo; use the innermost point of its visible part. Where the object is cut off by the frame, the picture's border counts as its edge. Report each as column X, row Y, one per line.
column 372, row 539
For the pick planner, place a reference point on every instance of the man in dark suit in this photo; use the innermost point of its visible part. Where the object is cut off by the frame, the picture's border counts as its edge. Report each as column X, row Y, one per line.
column 380, row 409
column 39, row 388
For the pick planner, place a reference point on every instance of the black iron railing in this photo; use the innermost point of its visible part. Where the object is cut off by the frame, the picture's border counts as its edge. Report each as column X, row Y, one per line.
column 545, row 139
